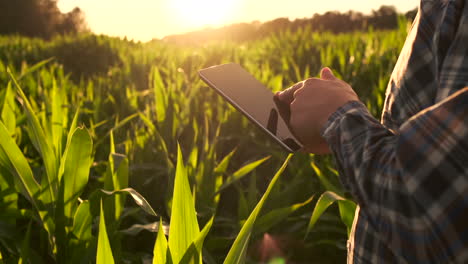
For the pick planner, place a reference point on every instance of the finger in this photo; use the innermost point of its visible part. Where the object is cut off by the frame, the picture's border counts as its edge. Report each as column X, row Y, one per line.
column 283, row 101
column 327, row 74
column 287, row 96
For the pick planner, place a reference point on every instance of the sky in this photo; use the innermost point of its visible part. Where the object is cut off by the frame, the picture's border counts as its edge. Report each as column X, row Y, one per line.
column 143, row 20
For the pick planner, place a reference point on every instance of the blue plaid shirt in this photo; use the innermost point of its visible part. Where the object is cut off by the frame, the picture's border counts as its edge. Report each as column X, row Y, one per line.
column 409, row 172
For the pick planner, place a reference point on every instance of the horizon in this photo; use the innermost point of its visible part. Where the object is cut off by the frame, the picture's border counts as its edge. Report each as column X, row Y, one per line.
column 144, row 20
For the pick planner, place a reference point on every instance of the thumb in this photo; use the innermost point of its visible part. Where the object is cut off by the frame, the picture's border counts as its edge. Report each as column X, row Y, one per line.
column 327, row 74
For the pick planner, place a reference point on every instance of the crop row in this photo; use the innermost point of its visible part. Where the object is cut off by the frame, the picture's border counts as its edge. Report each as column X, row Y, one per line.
column 105, row 143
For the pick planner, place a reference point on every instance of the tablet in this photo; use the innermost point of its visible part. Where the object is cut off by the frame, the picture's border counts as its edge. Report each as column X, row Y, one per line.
column 252, row 98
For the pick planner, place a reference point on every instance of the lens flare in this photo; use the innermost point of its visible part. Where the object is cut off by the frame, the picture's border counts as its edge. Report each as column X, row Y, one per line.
column 202, row 12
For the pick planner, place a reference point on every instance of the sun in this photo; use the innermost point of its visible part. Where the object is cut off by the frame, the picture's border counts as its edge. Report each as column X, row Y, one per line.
column 197, row 13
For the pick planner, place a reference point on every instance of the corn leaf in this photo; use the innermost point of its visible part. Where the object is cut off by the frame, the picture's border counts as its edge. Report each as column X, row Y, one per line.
column 57, row 118
column 117, row 125
column 116, row 178
column 137, row 197
column 184, row 224
column 12, row 158
column 38, row 138
column 160, row 96
column 238, row 250
column 137, row 228
column 347, row 209
column 71, row 131
column 111, row 168
column 123, row 122
column 34, row 68
column 242, row 205
column 104, row 252
column 242, row 172
column 329, row 186
column 274, row 217
column 9, row 194
column 325, row 200
column 161, row 251
column 223, row 165
column 82, row 222
column 194, row 253
column 149, row 124
column 120, row 182
column 7, row 110
column 77, row 165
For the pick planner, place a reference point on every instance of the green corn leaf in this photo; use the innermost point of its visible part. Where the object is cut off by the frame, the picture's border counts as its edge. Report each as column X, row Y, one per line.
column 238, row 250
column 7, row 109
column 347, row 209
column 184, row 224
column 57, row 118
column 223, row 165
column 160, row 96
column 12, row 158
column 201, row 237
column 242, row 172
column 34, row 68
column 82, row 222
column 324, row 179
column 274, row 217
column 252, row 192
column 165, row 149
column 124, row 122
column 325, row 200
column 111, row 168
column 194, row 253
column 276, row 83
column 242, row 205
column 104, row 252
column 116, row 178
column 149, row 124
column 193, row 157
column 121, row 182
column 71, row 131
column 137, row 228
column 39, row 140
column 137, row 197
column 76, row 172
column 9, row 194
column 117, row 125
column 161, row 251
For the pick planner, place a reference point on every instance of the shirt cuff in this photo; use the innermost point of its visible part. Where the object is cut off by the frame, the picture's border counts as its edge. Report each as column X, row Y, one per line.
column 352, row 106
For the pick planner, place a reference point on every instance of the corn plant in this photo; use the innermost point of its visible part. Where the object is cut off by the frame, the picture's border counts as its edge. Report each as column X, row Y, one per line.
column 52, row 193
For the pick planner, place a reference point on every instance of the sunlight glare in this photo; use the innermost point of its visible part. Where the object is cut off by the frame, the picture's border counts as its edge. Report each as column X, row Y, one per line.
column 202, row 12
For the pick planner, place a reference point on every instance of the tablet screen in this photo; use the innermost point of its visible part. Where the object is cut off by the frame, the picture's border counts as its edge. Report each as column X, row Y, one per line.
column 252, row 98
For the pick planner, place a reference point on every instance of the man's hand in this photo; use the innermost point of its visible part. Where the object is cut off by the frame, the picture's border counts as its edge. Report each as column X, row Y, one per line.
column 311, row 102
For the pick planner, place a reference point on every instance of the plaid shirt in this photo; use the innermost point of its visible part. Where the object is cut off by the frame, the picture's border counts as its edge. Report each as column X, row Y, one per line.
column 409, row 172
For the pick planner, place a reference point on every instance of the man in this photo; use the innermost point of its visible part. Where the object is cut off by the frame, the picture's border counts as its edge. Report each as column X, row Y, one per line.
column 409, row 172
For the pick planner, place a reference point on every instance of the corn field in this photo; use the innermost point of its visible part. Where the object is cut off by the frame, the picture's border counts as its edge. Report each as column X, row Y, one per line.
column 113, row 151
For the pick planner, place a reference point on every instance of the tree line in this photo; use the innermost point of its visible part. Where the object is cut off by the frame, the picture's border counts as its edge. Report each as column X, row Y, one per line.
column 385, row 18
column 42, row 18
column 38, row 18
